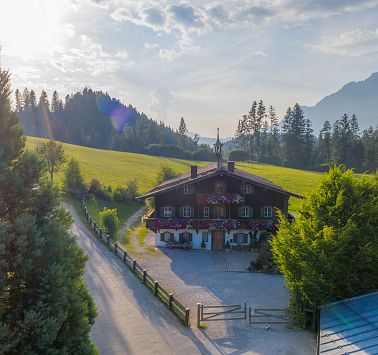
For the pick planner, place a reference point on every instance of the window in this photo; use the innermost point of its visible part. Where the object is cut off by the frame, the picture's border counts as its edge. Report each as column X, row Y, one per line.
column 247, row 189
column 168, row 211
column 187, row 211
column 188, row 189
column 220, row 187
column 220, row 212
column 206, row 211
column 244, row 211
column 268, row 212
column 187, row 237
column 166, row 237
column 240, row 238
column 205, row 237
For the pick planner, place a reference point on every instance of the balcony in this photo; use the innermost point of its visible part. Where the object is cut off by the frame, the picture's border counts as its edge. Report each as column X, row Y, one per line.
column 224, row 199
column 228, row 224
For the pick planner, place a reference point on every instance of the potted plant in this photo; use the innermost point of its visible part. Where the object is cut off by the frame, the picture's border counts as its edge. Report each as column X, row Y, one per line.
column 203, row 245
column 227, row 246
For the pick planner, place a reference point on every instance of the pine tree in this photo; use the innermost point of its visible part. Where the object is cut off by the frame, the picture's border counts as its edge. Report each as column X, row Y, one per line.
column 324, row 143
column 18, row 97
column 56, row 103
column 182, row 130
column 45, row 305
column 25, row 99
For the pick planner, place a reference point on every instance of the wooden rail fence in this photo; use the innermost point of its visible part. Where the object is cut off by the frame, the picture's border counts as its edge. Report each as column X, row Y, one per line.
column 167, row 298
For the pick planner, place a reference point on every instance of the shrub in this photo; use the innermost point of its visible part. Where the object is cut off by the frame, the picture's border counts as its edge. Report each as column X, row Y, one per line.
column 165, row 173
column 238, row 155
column 96, row 189
column 73, row 182
column 120, row 194
column 132, row 188
column 163, row 150
column 110, row 222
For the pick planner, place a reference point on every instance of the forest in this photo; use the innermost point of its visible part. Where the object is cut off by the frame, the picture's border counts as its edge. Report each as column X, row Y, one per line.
column 260, row 137
column 94, row 119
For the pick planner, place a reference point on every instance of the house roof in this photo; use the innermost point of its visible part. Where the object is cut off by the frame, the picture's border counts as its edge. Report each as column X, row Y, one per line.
column 212, row 170
column 350, row 326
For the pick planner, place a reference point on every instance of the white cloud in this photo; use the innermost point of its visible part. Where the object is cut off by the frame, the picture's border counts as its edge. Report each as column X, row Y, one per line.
column 352, row 43
column 148, row 45
column 161, row 99
column 168, row 54
column 122, row 55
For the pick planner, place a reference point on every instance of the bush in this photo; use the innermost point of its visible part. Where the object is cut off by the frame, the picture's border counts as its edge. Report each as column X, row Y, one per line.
column 238, row 155
column 120, row 194
column 163, row 150
column 110, row 222
column 204, row 153
column 127, row 193
column 165, row 173
column 73, row 182
column 96, row 189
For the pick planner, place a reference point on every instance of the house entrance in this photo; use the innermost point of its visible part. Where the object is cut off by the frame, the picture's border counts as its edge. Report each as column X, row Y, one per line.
column 218, row 240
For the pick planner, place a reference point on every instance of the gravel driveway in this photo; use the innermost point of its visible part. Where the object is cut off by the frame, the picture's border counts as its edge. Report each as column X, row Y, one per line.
column 204, row 276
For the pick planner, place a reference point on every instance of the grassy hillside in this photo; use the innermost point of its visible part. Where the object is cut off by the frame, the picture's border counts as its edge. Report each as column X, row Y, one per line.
column 115, row 168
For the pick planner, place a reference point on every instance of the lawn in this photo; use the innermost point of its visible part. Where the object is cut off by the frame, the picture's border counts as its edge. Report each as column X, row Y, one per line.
column 115, row 168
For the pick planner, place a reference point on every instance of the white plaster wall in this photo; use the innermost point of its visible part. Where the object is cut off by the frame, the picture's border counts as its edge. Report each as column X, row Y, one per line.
column 196, row 237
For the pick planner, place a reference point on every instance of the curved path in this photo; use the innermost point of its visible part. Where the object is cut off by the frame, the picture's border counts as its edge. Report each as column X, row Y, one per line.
column 130, row 319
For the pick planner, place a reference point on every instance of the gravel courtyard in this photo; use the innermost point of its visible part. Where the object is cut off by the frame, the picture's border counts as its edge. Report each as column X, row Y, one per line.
column 214, row 278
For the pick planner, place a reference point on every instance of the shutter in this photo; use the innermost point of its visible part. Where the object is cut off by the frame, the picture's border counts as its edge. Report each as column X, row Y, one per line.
column 161, row 211
column 239, row 211
column 245, row 238
column 180, row 211
column 173, row 212
column 190, row 237
column 262, row 212
column 162, row 237
column 172, row 236
column 250, row 212
column 180, row 237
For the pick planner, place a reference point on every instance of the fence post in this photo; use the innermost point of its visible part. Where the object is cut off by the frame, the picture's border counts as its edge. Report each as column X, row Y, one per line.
column 144, row 276
column 198, row 315
column 156, row 287
column 124, row 256
column 115, row 248
column 250, row 314
column 108, row 240
column 90, row 221
column 94, row 226
column 187, row 310
column 245, row 311
column 134, row 264
column 170, row 300
column 101, row 233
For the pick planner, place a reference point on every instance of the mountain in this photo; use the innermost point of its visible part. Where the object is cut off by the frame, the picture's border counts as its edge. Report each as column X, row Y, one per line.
column 357, row 97
column 208, row 140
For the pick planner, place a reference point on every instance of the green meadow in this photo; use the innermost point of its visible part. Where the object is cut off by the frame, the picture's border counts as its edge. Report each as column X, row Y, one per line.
column 115, row 168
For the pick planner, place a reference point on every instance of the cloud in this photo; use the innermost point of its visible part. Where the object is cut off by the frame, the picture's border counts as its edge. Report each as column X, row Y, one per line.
column 122, row 55
column 168, row 54
column 352, row 43
column 161, row 99
column 148, row 45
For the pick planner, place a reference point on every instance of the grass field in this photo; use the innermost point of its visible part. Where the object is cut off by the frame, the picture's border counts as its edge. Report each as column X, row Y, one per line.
column 115, row 168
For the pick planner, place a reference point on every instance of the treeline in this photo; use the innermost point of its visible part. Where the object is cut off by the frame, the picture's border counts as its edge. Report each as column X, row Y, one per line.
column 292, row 143
column 94, row 119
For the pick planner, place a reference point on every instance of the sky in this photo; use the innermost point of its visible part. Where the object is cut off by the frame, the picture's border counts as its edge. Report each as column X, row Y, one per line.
column 204, row 60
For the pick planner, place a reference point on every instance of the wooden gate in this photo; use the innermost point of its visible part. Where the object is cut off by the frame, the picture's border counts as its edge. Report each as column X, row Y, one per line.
column 220, row 312
column 268, row 316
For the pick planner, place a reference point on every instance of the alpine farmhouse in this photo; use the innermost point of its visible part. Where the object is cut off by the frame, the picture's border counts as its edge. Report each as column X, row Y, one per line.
column 214, row 207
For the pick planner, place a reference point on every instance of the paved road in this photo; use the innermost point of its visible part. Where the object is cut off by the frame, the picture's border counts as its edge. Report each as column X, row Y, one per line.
column 131, row 320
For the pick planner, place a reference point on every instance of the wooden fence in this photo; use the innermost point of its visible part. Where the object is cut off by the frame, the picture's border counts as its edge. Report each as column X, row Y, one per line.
column 167, row 298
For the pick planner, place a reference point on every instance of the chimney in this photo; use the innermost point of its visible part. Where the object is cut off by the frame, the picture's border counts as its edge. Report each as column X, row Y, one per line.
column 231, row 166
column 193, row 171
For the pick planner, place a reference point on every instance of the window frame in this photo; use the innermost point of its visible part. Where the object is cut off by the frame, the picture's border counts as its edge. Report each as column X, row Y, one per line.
column 169, row 236
column 266, row 214
column 188, row 234
column 188, row 189
column 220, row 183
column 217, row 209
column 247, row 189
column 242, row 236
column 206, row 215
column 205, row 240
column 185, row 209
column 165, row 209
column 245, row 208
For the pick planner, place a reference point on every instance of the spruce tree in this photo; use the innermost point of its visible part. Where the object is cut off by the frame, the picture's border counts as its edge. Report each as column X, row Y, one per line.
column 45, row 305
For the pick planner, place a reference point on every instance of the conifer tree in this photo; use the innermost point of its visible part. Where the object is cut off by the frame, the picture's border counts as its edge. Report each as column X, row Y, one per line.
column 45, row 305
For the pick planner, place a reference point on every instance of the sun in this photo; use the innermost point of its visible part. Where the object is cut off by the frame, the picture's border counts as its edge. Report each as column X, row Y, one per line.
column 30, row 27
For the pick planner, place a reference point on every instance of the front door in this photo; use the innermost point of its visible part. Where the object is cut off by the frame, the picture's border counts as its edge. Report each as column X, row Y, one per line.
column 218, row 239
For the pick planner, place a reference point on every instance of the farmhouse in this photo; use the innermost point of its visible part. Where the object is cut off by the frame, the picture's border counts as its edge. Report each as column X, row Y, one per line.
column 214, row 207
